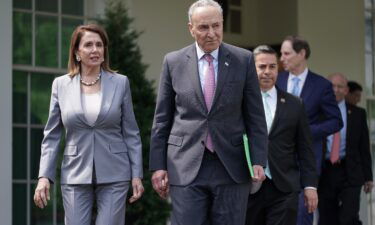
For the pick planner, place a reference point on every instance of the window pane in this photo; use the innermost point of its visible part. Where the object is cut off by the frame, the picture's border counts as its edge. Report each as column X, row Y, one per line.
column 19, row 153
column 46, row 41
column 368, row 4
column 68, row 25
column 41, row 216
column 371, row 117
column 40, row 97
column 235, row 21
column 22, row 4
column 19, row 97
column 19, row 204
column 369, row 73
column 368, row 32
column 35, row 144
column 46, row 5
column 72, row 7
column 22, row 38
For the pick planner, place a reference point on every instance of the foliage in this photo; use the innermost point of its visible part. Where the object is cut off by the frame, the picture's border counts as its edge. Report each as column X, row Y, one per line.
column 125, row 56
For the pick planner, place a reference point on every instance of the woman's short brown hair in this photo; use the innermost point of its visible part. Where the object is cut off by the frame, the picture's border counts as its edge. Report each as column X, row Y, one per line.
column 73, row 64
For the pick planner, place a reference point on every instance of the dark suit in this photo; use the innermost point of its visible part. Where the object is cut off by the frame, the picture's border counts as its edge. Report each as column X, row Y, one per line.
column 324, row 119
column 180, row 127
column 291, row 162
column 342, row 182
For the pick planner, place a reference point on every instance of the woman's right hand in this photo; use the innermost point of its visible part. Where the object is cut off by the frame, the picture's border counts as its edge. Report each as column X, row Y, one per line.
column 41, row 195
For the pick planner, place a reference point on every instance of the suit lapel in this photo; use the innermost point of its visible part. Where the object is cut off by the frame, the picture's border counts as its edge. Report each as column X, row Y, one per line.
column 223, row 68
column 193, row 73
column 280, row 105
column 75, row 98
column 108, row 87
column 308, row 87
column 283, row 81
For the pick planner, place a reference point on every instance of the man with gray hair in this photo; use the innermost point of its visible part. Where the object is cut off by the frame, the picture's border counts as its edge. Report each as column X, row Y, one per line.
column 208, row 98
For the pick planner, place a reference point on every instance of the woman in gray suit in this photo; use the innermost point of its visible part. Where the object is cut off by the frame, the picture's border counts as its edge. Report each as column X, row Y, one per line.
column 103, row 152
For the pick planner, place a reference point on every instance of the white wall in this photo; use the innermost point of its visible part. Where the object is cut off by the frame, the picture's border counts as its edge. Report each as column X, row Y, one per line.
column 335, row 31
column 164, row 25
column 6, row 112
column 275, row 20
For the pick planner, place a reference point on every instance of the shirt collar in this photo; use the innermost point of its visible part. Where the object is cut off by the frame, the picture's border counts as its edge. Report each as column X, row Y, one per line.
column 341, row 104
column 200, row 52
column 272, row 92
column 301, row 76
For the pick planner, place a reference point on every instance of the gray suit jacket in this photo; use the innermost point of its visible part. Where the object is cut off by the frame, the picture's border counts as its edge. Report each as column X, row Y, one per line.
column 113, row 142
column 181, row 120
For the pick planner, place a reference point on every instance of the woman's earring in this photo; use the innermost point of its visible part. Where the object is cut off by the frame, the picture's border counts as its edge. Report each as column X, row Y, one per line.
column 78, row 58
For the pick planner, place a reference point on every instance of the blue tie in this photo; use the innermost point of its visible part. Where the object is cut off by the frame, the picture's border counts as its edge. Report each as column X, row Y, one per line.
column 295, row 89
column 268, row 114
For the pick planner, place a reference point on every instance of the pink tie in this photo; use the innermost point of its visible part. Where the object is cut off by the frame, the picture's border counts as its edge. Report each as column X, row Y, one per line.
column 334, row 157
column 209, row 91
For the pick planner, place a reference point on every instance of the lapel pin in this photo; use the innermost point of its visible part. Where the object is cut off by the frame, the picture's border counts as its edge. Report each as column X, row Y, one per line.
column 282, row 100
column 226, row 64
column 349, row 111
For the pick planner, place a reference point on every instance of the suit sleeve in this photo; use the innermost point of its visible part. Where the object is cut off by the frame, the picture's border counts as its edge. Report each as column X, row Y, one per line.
column 309, row 176
column 332, row 120
column 364, row 148
column 52, row 137
column 130, row 133
column 254, row 116
column 163, row 119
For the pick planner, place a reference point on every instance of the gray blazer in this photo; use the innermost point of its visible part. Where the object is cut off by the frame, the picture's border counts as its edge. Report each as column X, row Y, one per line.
column 181, row 120
column 113, row 142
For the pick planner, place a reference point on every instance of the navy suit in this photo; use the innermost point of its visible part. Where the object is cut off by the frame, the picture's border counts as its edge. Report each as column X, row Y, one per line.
column 324, row 118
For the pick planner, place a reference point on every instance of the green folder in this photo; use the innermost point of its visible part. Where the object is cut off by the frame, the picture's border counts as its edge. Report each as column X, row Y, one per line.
column 247, row 153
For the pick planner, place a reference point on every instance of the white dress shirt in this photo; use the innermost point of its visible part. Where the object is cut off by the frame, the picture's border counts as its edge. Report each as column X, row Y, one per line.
column 203, row 64
column 91, row 104
column 271, row 101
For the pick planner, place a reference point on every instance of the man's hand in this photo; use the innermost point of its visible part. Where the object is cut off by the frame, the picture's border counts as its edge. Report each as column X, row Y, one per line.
column 258, row 173
column 138, row 189
column 311, row 200
column 41, row 194
column 367, row 187
column 160, row 183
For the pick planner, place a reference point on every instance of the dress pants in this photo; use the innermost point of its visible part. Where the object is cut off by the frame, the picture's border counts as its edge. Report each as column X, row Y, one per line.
column 213, row 198
column 269, row 206
column 303, row 216
column 110, row 200
column 338, row 200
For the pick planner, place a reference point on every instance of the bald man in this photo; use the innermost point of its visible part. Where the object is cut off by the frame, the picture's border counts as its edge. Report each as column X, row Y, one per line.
column 347, row 164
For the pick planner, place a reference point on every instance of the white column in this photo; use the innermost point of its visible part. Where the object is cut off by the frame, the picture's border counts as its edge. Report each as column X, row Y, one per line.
column 6, row 112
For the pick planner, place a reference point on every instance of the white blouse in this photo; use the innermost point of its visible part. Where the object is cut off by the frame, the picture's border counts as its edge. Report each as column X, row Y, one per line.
column 91, row 106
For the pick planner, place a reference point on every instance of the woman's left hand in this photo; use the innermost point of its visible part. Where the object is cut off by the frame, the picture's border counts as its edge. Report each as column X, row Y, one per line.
column 137, row 189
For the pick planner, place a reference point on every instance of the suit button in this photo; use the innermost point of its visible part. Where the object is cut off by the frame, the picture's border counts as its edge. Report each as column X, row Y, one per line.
column 202, row 142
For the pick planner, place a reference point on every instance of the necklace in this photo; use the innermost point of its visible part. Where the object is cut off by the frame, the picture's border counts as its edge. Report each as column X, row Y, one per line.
column 91, row 83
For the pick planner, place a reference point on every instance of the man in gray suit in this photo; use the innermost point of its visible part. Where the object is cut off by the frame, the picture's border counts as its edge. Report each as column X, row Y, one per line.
column 208, row 98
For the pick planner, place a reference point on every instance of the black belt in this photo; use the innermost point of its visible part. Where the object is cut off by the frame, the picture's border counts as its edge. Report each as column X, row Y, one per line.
column 340, row 162
column 209, row 155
